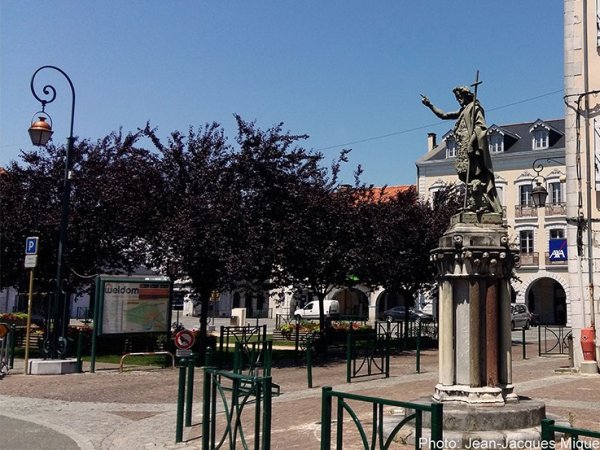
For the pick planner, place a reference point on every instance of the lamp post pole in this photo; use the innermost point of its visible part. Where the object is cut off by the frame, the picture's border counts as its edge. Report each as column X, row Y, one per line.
column 55, row 343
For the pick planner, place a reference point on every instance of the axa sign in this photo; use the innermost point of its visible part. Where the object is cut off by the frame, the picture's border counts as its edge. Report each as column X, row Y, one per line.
column 558, row 249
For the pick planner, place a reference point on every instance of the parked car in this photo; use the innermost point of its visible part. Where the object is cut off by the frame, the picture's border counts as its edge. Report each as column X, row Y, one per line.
column 519, row 316
column 331, row 309
column 421, row 315
column 534, row 319
column 395, row 314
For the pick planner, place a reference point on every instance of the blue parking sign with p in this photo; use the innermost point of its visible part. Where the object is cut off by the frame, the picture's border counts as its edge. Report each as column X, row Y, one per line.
column 31, row 245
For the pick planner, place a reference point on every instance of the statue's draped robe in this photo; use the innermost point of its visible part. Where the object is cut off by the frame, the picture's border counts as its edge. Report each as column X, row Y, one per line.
column 475, row 159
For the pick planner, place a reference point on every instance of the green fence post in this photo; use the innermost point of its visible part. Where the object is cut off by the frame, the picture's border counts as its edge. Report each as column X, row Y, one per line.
column 349, row 357
column 189, row 393
column 547, row 432
column 180, row 396
column 326, row 418
column 79, row 352
column 524, row 344
column 387, row 355
column 297, row 338
column 419, row 347
column 221, row 337
column 309, row 362
column 206, row 418
column 208, row 357
column 237, row 356
column 259, row 393
column 13, row 344
column 266, row 431
column 436, row 424
column 268, row 357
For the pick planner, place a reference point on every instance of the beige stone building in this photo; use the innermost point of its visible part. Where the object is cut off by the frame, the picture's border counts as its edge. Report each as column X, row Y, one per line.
column 582, row 138
column 523, row 154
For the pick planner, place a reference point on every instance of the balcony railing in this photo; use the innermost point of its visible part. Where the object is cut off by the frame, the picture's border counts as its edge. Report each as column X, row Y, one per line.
column 554, row 263
column 530, row 259
column 556, row 209
column 525, row 211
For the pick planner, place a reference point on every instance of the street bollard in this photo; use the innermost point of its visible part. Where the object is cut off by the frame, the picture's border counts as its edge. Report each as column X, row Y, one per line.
column 206, row 408
column 387, row 355
column 208, row 357
column 189, row 393
column 570, row 349
column 309, row 362
column 297, row 338
column 180, row 400
column 418, row 362
column 349, row 342
column 524, row 345
column 13, row 344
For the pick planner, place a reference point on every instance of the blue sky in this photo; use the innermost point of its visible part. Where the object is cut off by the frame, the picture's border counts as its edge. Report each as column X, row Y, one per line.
column 347, row 73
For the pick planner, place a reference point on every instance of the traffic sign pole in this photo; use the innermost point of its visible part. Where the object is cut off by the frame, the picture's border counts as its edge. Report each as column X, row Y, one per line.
column 28, row 332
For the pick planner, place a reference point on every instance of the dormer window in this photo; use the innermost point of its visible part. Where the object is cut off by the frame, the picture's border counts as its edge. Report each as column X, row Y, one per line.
column 540, row 139
column 496, row 143
column 450, row 147
column 544, row 135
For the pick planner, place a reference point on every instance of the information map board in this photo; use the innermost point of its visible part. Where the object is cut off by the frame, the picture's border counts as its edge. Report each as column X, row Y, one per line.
column 136, row 304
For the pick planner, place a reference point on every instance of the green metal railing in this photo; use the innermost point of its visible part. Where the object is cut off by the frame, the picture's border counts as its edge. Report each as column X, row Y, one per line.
column 553, row 340
column 243, row 334
column 404, row 335
column 377, row 439
column 185, row 394
column 228, row 399
column 367, row 355
column 254, row 360
column 572, row 436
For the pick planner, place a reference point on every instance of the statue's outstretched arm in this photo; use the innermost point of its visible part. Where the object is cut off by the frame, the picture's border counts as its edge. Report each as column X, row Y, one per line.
column 438, row 112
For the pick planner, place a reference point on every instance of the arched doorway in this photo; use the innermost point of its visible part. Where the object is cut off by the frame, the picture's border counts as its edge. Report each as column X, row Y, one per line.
column 547, row 298
column 353, row 303
column 387, row 300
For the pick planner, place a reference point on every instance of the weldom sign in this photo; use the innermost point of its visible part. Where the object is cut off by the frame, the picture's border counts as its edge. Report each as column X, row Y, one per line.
column 558, row 250
column 132, row 304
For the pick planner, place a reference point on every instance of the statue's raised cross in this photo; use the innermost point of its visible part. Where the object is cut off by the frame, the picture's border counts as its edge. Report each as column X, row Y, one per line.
column 475, row 85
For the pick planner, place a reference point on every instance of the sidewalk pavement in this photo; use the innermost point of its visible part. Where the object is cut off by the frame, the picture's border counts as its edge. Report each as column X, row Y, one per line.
column 136, row 409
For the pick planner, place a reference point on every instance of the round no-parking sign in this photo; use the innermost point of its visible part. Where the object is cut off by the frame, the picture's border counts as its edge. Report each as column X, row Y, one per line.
column 184, row 339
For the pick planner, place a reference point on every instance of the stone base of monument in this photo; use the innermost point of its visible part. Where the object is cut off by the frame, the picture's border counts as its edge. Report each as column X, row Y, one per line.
column 52, row 366
column 512, row 425
column 486, row 395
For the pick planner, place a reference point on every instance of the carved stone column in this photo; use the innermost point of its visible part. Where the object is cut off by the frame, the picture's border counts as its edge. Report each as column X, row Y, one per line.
column 475, row 263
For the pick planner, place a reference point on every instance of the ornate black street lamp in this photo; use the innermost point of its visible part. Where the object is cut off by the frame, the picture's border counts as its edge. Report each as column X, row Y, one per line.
column 539, row 193
column 55, row 342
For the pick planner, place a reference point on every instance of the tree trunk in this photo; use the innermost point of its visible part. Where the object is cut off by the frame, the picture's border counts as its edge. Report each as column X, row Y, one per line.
column 323, row 341
column 203, row 338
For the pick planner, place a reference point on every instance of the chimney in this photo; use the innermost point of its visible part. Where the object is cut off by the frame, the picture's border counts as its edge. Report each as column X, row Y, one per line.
column 431, row 144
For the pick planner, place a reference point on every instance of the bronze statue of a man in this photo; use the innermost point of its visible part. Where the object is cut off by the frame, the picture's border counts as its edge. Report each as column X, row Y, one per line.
column 473, row 162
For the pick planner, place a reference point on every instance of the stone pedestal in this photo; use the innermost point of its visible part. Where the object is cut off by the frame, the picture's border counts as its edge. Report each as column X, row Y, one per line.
column 513, row 425
column 475, row 263
column 475, row 386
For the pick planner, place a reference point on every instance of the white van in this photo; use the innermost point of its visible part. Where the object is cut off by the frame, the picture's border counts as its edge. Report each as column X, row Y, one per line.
column 311, row 310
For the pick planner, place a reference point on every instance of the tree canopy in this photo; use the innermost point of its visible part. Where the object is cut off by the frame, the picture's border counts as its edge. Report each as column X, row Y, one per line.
column 258, row 213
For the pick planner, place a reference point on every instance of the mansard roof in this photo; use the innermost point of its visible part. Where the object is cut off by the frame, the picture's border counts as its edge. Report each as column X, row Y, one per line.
column 519, row 138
